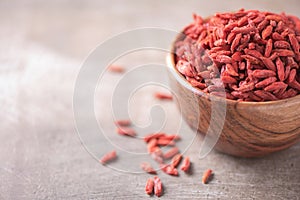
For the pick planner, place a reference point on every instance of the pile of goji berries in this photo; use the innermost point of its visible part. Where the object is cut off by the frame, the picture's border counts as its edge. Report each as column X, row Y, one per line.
column 243, row 55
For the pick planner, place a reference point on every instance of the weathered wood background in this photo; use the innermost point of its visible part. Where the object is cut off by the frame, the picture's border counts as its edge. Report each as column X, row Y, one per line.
column 43, row 44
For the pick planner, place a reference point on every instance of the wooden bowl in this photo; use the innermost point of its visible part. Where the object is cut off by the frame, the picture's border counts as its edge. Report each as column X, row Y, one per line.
column 251, row 129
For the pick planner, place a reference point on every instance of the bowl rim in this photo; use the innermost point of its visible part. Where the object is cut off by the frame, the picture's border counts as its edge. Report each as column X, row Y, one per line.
column 170, row 60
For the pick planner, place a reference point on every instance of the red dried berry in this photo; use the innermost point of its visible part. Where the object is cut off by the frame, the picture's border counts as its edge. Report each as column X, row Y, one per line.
column 149, row 186
column 158, row 188
column 185, row 164
column 165, row 142
column 116, row 68
column 124, row 122
column 147, row 168
column 126, row 131
column 172, row 152
column 150, row 136
column 108, row 157
column 176, row 160
column 163, row 96
column 206, row 176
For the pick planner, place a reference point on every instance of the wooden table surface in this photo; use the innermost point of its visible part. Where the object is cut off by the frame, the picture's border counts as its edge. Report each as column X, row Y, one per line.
column 43, row 45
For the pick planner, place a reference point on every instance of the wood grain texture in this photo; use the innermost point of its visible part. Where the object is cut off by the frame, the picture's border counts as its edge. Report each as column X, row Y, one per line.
column 43, row 44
